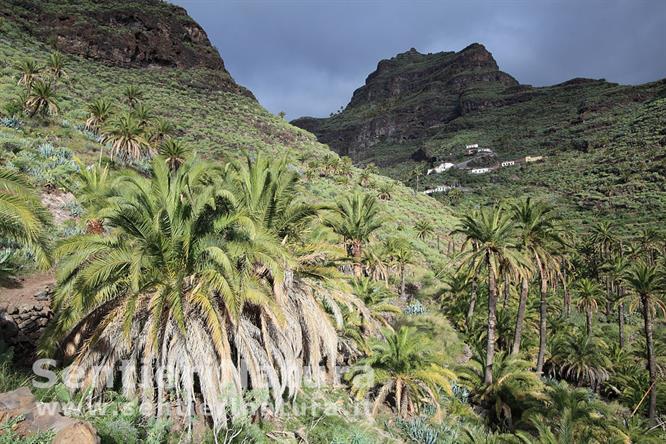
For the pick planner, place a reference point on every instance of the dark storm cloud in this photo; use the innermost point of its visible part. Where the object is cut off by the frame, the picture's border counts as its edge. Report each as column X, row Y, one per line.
column 307, row 57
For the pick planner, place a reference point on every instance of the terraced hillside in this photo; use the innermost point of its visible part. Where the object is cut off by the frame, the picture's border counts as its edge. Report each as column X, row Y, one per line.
column 604, row 142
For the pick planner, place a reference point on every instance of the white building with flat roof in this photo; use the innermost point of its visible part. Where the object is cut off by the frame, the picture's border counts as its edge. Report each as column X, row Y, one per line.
column 480, row 170
column 440, row 168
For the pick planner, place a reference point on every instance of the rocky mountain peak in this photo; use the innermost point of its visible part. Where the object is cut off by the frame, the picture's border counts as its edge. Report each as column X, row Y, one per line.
column 149, row 33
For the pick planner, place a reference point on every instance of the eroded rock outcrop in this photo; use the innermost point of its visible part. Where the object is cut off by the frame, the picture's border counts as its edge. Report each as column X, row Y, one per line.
column 149, row 33
column 409, row 95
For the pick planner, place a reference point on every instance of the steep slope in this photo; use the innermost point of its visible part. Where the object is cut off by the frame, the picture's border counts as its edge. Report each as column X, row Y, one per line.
column 156, row 34
column 405, row 99
column 604, row 142
column 220, row 124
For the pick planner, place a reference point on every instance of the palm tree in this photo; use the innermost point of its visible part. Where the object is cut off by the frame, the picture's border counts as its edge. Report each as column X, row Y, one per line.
column 174, row 153
column 143, row 114
column 616, row 271
column 28, row 73
column 576, row 416
column 375, row 295
column 42, row 99
column 645, row 283
column 55, row 66
column 603, row 235
column 355, row 218
column 160, row 131
column 385, row 191
column 456, row 292
column 126, row 137
column 424, row 229
column 580, row 358
column 99, row 112
column 491, row 232
column 512, row 385
column 23, row 219
column 132, row 95
column 589, row 295
column 184, row 280
column 416, row 173
column 539, row 238
column 401, row 254
column 268, row 193
column 400, row 368
column 93, row 188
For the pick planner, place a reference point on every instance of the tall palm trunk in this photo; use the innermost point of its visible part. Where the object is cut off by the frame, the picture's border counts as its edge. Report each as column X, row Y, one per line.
column 357, row 253
column 620, row 317
column 507, row 290
column 402, row 280
column 472, row 303
column 520, row 317
column 588, row 321
column 543, row 313
column 567, row 295
column 652, row 366
column 492, row 321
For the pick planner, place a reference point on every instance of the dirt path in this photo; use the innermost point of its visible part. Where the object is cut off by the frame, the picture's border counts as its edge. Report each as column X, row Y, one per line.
column 27, row 290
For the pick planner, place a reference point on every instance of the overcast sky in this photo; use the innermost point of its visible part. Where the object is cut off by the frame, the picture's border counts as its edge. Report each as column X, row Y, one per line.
column 306, row 57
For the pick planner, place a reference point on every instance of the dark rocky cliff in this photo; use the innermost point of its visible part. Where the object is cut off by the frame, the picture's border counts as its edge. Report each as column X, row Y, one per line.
column 146, row 33
column 408, row 95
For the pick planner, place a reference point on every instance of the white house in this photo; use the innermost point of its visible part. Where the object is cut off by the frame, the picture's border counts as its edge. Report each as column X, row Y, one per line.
column 480, row 170
column 440, row 168
column 529, row 159
column 484, row 150
column 474, row 146
column 438, row 189
column 507, row 163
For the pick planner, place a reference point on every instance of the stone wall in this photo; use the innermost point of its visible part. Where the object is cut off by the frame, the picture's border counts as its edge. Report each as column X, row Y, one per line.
column 22, row 322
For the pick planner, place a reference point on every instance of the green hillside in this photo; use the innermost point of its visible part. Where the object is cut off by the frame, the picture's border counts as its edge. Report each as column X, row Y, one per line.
column 218, row 125
column 604, row 142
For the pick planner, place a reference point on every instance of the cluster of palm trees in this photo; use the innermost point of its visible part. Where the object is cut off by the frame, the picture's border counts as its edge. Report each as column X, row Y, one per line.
column 517, row 246
column 134, row 133
column 205, row 270
column 39, row 82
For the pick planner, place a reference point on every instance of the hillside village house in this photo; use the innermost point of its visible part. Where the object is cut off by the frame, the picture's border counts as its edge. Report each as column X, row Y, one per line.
column 440, row 168
column 439, row 189
column 507, row 163
column 480, row 170
column 529, row 159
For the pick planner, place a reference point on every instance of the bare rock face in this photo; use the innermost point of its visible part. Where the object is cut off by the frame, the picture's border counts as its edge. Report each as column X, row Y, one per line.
column 147, row 33
column 408, row 95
